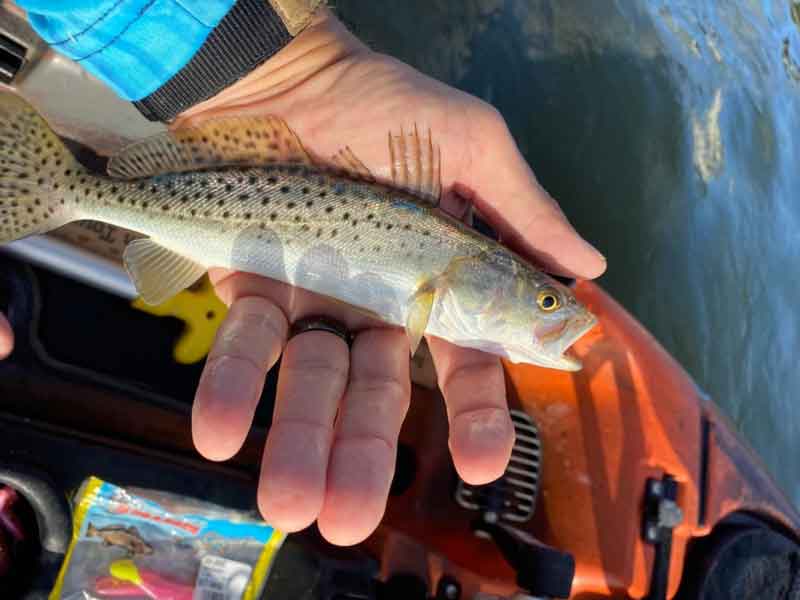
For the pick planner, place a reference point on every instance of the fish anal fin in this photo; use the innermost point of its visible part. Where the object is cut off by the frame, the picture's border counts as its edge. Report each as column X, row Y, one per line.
column 416, row 164
column 348, row 163
column 225, row 141
column 157, row 272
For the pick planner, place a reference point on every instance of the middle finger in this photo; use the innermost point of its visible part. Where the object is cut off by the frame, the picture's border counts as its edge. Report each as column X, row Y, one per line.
column 311, row 381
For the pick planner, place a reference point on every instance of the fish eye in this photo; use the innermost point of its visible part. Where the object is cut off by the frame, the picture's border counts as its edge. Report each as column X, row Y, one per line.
column 548, row 300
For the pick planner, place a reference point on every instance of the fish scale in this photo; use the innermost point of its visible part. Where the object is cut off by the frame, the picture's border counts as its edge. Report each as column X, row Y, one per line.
column 243, row 194
column 371, row 228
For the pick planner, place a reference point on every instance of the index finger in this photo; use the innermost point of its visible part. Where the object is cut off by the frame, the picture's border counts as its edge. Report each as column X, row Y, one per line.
column 481, row 431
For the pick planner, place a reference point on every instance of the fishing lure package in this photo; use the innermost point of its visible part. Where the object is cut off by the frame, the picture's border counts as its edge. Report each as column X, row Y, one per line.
column 150, row 545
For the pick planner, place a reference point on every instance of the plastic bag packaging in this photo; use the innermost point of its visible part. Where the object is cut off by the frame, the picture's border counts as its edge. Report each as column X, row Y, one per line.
column 150, row 545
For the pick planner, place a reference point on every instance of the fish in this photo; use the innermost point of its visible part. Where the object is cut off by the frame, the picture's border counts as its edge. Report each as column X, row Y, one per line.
column 128, row 538
column 243, row 193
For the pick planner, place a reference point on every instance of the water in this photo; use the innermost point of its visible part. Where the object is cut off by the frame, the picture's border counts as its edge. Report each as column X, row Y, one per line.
column 666, row 130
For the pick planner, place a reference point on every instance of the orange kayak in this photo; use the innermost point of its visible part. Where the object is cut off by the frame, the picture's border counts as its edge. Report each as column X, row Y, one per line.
column 630, row 417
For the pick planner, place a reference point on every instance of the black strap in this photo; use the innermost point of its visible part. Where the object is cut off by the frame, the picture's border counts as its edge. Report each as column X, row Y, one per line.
column 246, row 37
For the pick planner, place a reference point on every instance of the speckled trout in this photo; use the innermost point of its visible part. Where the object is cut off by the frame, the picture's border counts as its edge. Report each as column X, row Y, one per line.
column 243, row 193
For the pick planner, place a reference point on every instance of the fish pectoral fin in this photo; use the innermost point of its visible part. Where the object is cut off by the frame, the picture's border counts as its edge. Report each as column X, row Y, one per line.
column 157, row 272
column 416, row 163
column 348, row 163
column 419, row 314
column 225, row 141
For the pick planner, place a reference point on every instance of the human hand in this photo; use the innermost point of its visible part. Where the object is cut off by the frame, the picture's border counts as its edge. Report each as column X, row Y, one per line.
column 6, row 338
column 331, row 449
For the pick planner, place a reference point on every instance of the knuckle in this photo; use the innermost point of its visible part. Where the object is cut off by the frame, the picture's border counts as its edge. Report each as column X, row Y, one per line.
column 479, row 378
column 369, row 443
column 383, row 386
column 317, row 367
column 487, row 418
column 221, row 363
column 492, row 120
column 252, row 336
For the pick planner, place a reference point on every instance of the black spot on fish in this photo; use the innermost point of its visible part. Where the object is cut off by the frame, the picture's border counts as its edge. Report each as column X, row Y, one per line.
column 305, row 190
column 228, row 187
column 285, row 189
column 370, row 216
column 290, row 205
column 346, row 216
column 273, row 216
column 323, row 193
column 226, row 214
column 253, row 180
column 309, row 204
column 272, row 180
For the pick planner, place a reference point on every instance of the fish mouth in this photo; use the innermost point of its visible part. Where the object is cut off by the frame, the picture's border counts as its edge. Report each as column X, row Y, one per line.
column 570, row 334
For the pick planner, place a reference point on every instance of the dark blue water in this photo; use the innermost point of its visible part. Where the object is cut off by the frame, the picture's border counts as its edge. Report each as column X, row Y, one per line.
column 667, row 132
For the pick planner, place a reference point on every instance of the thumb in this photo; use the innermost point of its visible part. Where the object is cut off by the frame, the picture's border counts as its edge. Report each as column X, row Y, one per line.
column 505, row 191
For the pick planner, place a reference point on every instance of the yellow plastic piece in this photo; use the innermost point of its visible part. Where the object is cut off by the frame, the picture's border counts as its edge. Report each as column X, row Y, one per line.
column 87, row 496
column 264, row 564
column 125, row 570
column 202, row 312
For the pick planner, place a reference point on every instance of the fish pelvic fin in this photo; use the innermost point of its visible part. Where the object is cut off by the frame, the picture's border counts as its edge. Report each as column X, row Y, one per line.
column 36, row 171
column 416, row 162
column 220, row 142
column 157, row 272
column 419, row 313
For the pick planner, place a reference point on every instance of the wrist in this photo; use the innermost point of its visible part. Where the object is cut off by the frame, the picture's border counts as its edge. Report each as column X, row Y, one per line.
column 323, row 44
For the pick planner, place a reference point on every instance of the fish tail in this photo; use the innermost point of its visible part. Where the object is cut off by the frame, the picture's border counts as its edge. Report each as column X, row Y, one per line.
column 36, row 172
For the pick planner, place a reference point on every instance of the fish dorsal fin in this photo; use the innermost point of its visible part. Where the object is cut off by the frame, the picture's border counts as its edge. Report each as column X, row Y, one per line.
column 347, row 162
column 157, row 272
column 416, row 164
column 229, row 141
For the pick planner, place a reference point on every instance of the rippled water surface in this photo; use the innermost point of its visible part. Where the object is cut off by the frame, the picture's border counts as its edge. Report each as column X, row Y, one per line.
column 667, row 132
